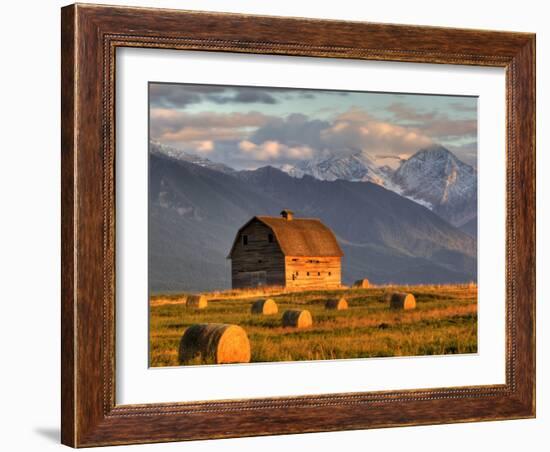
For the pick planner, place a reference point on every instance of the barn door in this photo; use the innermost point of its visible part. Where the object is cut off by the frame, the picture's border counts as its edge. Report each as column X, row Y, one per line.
column 258, row 278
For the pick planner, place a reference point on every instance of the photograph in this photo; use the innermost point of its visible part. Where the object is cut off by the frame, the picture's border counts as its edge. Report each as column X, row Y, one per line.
column 292, row 224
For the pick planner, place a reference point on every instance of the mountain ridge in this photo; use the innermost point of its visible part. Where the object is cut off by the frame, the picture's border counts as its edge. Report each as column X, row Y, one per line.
column 432, row 177
column 157, row 148
column 436, row 176
column 357, row 166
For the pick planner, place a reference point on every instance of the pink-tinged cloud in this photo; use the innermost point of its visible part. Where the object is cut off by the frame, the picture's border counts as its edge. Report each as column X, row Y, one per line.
column 273, row 151
column 189, row 134
column 205, row 146
column 356, row 129
column 175, row 118
column 176, row 126
column 252, row 139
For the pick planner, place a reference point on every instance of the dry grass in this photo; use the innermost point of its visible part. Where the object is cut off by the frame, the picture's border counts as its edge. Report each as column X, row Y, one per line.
column 444, row 322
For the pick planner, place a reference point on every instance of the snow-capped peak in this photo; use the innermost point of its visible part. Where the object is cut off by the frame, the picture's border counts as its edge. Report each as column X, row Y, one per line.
column 351, row 166
column 436, row 176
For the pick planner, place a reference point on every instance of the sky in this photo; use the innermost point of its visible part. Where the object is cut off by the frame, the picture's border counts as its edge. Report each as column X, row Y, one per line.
column 249, row 127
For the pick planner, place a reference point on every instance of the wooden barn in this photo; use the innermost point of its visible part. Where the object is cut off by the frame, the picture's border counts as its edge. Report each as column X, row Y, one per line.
column 285, row 251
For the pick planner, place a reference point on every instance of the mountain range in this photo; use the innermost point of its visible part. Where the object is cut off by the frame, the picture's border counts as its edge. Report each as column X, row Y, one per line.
column 161, row 149
column 197, row 206
column 433, row 177
column 357, row 166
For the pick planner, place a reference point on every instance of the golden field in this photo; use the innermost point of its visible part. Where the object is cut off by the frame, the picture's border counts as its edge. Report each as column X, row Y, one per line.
column 444, row 322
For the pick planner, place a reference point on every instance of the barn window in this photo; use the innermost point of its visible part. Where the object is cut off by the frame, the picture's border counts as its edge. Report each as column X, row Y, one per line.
column 329, row 273
column 308, row 273
column 245, row 240
column 318, row 273
column 270, row 238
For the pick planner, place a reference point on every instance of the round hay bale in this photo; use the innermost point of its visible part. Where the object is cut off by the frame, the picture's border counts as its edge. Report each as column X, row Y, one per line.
column 159, row 301
column 297, row 319
column 362, row 283
column 196, row 301
column 338, row 304
column 182, row 299
column 215, row 343
column 265, row 307
column 401, row 300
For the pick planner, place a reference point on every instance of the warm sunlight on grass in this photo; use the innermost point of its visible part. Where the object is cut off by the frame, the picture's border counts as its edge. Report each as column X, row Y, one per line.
column 444, row 322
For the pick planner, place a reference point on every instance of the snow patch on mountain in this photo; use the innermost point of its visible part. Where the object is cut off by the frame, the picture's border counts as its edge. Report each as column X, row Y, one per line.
column 161, row 149
column 436, row 176
column 354, row 167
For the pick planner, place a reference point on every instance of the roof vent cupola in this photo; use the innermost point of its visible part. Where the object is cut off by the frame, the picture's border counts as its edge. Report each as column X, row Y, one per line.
column 287, row 214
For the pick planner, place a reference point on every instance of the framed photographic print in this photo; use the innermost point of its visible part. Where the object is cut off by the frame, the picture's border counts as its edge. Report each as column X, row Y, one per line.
column 281, row 225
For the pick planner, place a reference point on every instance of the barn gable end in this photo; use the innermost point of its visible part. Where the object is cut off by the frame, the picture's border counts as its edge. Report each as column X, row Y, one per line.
column 255, row 260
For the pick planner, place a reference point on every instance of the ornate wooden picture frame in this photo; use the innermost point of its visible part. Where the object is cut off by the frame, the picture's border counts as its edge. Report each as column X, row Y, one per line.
column 90, row 37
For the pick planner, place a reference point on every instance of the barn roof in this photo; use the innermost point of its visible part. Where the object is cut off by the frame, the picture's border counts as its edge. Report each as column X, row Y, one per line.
column 302, row 237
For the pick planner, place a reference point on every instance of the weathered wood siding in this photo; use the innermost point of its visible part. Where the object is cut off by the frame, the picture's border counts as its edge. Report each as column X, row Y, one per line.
column 257, row 256
column 313, row 272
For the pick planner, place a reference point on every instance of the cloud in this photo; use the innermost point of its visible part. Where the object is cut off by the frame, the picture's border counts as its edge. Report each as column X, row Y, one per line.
column 245, row 96
column 295, row 129
column 466, row 152
column 189, row 134
column 205, row 146
column 468, row 108
column 179, row 96
column 435, row 124
column 405, row 113
column 391, row 157
column 174, row 119
column 274, row 151
column 165, row 95
column 357, row 129
column 447, row 129
column 346, row 133
column 182, row 95
column 177, row 127
column 251, row 139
